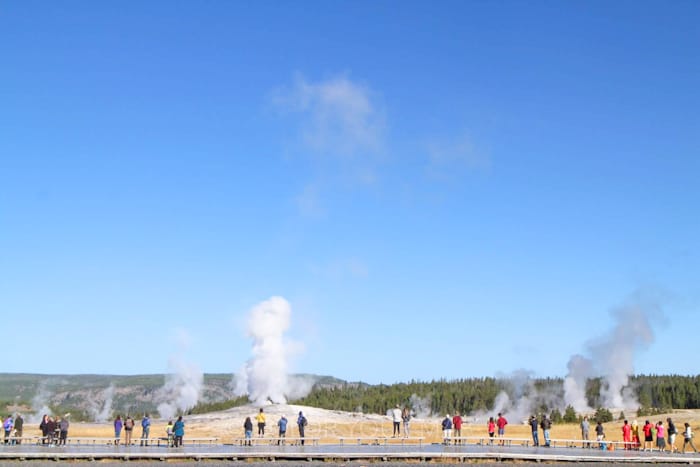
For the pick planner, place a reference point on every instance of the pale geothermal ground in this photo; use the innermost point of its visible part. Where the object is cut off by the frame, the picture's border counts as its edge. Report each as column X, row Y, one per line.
column 328, row 425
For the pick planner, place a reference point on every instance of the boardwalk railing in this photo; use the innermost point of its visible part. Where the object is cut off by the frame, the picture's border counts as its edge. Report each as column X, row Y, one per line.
column 609, row 445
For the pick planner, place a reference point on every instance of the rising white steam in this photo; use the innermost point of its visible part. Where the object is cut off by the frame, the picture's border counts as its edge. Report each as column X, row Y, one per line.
column 40, row 404
column 612, row 357
column 520, row 398
column 609, row 357
column 100, row 408
column 421, row 407
column 264, row 376
column 183, row 382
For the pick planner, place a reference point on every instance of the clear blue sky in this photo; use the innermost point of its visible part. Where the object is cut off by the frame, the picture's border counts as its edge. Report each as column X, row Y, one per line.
column 439, row 189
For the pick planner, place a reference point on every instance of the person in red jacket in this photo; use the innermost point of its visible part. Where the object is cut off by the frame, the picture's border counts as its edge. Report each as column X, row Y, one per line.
column 627, row 435
column 501, row 423
column 457, row 427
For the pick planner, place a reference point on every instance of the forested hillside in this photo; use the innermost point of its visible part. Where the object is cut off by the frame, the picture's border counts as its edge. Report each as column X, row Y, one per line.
column 479, row 394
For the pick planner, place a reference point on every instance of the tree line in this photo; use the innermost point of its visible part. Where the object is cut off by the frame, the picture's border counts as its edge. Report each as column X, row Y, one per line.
column 655, row 394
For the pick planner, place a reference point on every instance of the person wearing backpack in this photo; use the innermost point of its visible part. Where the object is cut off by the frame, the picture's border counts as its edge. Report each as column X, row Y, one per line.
column 128, row 429
column 282, row 424
column 301, row 424
column 145, row 429
column 8, row 425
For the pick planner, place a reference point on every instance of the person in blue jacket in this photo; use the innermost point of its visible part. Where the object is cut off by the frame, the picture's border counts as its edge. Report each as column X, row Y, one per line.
column 179, row 431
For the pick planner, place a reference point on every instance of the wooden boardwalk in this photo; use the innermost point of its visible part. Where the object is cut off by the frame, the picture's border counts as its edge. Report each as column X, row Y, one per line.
column 338, row 452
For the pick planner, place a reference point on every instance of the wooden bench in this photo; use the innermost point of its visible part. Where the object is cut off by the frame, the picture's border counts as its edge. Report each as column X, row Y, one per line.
column 489, row 441
column 110, row 440
column 381, row 440
column 291, row 441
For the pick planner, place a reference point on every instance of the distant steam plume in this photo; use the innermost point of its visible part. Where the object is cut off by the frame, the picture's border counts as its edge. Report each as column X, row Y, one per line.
column 40, row 404
column 264, row 377
column 612, row 356
column 101, row 412
column 520, row 398
column 609, row 357
column 183, row 383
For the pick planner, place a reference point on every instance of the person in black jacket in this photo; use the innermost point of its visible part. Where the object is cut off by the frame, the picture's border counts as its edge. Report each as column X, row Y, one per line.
column 19, row 425
column 535, row 430
column 546, row 424
column 672, row 432
column 248, row 429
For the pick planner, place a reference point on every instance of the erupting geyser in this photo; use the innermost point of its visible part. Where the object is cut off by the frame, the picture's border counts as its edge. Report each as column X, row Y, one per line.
column 264, row 377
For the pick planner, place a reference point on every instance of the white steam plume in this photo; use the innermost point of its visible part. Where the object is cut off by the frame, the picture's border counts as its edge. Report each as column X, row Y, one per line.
column 183, row 383
column 421, row 407
column 40, row 404
column 612, row 357
column 520, row 398
column 102, row 412
column 264, row 376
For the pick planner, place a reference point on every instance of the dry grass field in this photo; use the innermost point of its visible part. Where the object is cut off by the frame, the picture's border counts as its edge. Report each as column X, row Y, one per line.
column 329, row 425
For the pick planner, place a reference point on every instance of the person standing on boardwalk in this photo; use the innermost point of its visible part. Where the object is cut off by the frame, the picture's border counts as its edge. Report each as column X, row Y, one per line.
column 672, row 432
column 627, row 435
column 63, row 430
column 51, row 430
column 282, row 424
column 546, row 425
column 635, row 436
column 491, row 429
column 585, row 430
column 446, row 429
column 128, row 429
column 688, row 437
column 648, row 436
column 599, row 434
column 396, row 419
column 19, row 426
column 248, row 431
column 501, row 423
column 260, row 418
column 43, row 426
column 145, row 429
column 179, row 431
column 457, row 428
column 301, row 424
column 535, row 430
column 170, row 434
column 118, row 425
column 660, row 436
column 8, row 426
column 406, row 418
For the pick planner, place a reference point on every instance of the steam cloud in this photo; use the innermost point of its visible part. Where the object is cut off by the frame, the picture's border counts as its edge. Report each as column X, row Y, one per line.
column 183, row 384
column 264, row 376
column 609, row 357
column 612, row 357
column 102, row 412
column 40, row 404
